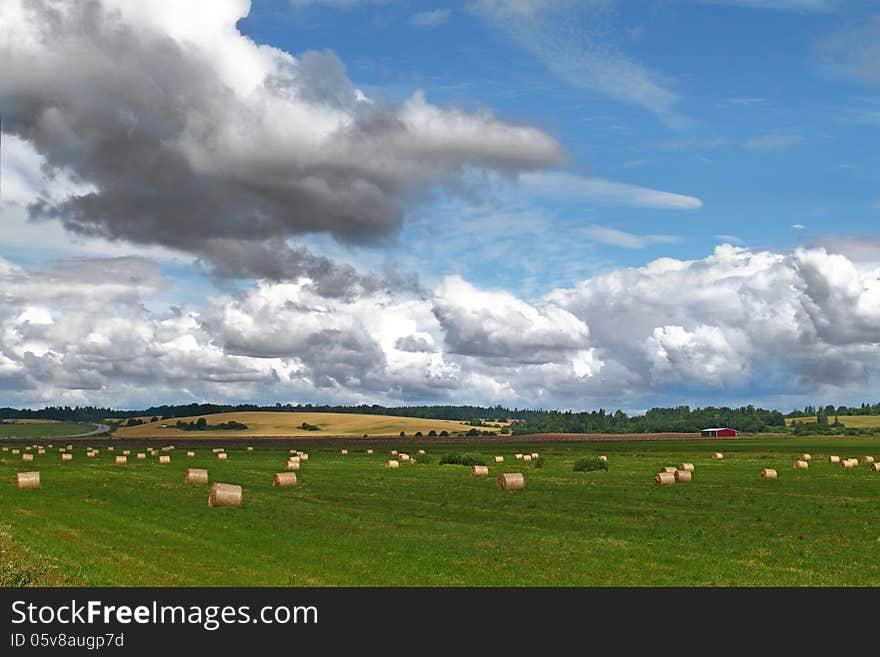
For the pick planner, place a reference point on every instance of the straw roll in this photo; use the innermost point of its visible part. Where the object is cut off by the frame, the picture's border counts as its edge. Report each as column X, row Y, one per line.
column 479, row 471
column 687, row 467
column 291, row 465
column 499, row 459
column 603, row 458
column 141, row 456
column 717, row 456
column 768, row 473
column 284, row 479
column 511, row 481
column 121, row 460
column 27, row 457
column 669, row 469
column 370, row 452
column 683, row 475
column 344, row 452
column 225, row 495
column 834, row 459
column 875, row 467
column 805, row 457
column 164, row 460
column 196, row 476
column 527, row 457
column 664, row 478
column 867, row 459
column 222, row 456
column 392, row 464
column 28, row 480
column 66, row 457
column 801, row 465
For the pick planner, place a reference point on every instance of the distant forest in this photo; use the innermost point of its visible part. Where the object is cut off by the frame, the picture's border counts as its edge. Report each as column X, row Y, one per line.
column 678, row 419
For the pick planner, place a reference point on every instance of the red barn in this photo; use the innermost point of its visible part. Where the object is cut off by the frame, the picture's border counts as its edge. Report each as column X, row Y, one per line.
column 721, row 432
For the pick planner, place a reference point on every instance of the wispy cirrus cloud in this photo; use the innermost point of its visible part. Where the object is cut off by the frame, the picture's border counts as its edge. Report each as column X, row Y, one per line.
column 562, row 185
column 772, row 142
column 615, row 237
column 430, row 18
column 571, row 40
column 803, row 6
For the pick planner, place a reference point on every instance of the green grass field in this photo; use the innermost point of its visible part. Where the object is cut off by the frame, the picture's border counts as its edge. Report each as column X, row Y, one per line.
column 352, row 522
column 43, row 429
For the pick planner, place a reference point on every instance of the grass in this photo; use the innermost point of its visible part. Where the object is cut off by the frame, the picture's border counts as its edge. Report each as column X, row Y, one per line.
column 43, row 429
column 268, row 423
column 353, row 522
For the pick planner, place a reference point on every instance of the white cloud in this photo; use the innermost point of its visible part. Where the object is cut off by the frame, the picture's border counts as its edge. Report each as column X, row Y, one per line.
column 798, row 226
column 430, row 18
column 738, row 324
column 772, row 142
column 605, row 192
column 733, row 239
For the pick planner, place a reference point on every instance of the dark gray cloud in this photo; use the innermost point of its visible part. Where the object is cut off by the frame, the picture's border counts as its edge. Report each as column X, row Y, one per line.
column 197, row 138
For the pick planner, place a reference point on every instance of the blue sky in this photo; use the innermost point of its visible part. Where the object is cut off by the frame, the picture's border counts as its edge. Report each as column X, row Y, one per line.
column 529, row 202
column 766, row 134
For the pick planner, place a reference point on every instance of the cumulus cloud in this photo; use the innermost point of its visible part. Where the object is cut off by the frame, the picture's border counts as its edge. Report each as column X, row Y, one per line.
column 181, row 128
column 738, row 324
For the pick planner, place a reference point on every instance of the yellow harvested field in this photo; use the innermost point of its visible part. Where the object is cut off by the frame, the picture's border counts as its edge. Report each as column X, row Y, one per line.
column 267, row 423
column 849, row 421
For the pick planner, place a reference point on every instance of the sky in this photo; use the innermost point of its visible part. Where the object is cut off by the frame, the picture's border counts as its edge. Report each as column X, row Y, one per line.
column 534, row 203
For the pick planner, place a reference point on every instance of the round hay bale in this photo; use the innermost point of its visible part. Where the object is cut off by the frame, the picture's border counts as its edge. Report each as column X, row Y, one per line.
column 303, row 456
column 225, row 495
column 28, row 480
column 421, row 452
column 5, row 449
column 109, row 449
column 394, row 452
column 801, row 465
column 49, row 446
column 683, row 475
column 222, row 456
column 190, row 455
column 196, row 476
column 527, row 457
column 71, row 447
column 499, row 459
column 27, row 457
column 141, row 456
column 768, row 473
column 293, row 451
column 867, row 459
column 535, row 455
column 518, row 457
column 669, row 469
column 121, row 460
column 291, row 465
column 284, row 479
column 403, row 457
column 164, row 460
column 479, row 471
column 344, row 452
column 687, row 467
column 15, row 452
column 217, row 450
column 875, row 467
column 41, row 452
column 849, row 463
column 391, row 463
column 66, row 457
column 370, row 452
column 294, row 459
column 126, row 452
column 717, row 456
column 834, row 459
column 805, row 457
column 511, row 481
column 664, row 478
column 250, row 449
column 27, row 449
column 603, row 458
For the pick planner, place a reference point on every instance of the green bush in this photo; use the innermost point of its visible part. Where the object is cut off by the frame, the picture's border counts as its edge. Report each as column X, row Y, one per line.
column 539, row 462
column 589, row 464
column 424, row 458
column 463, row 458
column 432, row 433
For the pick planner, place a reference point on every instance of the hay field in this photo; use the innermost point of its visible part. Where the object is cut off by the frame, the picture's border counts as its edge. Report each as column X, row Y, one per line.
column 353, row 522
column 38, row 429
column 267, row 423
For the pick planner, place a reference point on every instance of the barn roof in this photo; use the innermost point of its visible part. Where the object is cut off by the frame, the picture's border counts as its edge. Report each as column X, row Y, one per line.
column 718, row 429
